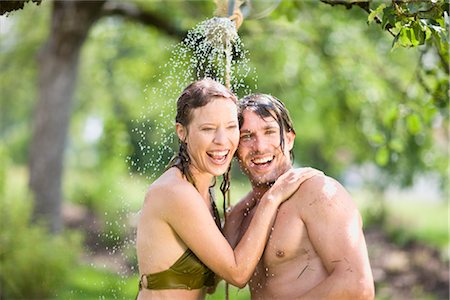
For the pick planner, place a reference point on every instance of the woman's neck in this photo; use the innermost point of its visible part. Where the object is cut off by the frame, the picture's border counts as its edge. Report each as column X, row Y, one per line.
column 202, row 182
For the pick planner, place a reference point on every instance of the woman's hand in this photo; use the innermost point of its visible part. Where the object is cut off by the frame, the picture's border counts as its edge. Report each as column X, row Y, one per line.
column 288, row 183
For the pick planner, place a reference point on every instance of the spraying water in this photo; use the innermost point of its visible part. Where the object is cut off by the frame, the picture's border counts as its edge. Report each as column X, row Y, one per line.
column 212, row 49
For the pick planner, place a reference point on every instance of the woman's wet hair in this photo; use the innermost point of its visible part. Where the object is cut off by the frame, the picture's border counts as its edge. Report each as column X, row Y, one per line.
column 196, row 95
column 265, row 105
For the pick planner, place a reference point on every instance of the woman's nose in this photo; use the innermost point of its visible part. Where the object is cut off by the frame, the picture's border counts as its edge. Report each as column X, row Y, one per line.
column 220, row 136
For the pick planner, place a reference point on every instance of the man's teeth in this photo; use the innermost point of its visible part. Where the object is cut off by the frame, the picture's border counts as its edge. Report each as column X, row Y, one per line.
column 262, row 160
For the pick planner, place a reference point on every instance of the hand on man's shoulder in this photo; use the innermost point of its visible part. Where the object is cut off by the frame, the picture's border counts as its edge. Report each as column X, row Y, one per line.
column 322, row 190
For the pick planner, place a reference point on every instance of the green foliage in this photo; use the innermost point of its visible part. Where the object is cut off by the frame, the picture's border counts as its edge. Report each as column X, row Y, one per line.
column 4, row 165
column 412, row 221
column 18, row 84
column 414, row 23
column 33, row 262
column 374, row 214
column 233, row 292
column 102, row 194
column 417, row 23
column 91, row 282
column 352, row 98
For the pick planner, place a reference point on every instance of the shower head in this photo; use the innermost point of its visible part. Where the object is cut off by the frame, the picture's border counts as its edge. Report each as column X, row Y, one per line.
column 220, row 31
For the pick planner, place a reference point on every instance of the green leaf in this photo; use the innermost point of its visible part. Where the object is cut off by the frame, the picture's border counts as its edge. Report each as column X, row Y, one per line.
column 376, row 12
column 416, row 7
column 389, row 17
column 396, row 145
column 429, row 113
column 419, row 32
column 414, row 124
column 382, row 156
column 390, row 117
column 427, row 32
column 378, row 138
column 411, row 34
column 404, row 39
column 395, row 43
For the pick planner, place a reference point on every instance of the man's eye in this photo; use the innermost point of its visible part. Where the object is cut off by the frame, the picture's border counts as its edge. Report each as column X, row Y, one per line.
column 246, row 137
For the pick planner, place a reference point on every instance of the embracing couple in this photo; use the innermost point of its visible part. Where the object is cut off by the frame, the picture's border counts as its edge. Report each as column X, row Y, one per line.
column 296, row 235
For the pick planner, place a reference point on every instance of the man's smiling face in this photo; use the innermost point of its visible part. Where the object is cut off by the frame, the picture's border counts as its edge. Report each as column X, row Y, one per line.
column 259, row 153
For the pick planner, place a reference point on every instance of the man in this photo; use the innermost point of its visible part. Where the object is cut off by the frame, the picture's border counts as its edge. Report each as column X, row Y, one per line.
column 316, row 249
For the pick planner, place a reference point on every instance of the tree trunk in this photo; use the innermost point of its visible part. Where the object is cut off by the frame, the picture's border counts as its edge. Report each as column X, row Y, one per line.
column 58, row 67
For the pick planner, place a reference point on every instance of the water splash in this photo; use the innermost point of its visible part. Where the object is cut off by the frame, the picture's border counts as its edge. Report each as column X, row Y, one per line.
column 212, row 49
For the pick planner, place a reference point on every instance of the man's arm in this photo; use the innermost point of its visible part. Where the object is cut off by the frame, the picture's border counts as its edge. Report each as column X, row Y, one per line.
column 335, row 230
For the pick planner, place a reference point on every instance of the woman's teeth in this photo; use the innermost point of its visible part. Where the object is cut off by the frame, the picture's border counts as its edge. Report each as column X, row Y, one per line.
column 218, row 155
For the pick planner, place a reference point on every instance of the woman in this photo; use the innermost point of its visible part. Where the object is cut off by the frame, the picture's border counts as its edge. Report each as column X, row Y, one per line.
column 179, row 242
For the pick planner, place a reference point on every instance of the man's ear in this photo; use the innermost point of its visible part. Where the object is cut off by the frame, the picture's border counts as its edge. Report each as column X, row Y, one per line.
column 181, row 132
column 290, row 137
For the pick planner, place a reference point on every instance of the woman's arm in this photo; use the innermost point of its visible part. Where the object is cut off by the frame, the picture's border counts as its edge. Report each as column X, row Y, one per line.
column 188, row 215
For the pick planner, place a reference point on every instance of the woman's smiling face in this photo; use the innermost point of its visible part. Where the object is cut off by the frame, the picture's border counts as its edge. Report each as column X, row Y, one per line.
column 212, row 136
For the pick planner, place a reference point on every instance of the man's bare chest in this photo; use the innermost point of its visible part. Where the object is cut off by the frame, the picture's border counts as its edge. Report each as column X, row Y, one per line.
column 288, row 239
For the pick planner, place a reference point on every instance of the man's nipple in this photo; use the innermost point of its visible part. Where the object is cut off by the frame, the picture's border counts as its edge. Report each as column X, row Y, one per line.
column 279, row 253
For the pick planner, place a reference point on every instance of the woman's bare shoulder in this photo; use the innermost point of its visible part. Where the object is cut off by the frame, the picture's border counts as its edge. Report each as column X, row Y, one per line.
column 169, row 186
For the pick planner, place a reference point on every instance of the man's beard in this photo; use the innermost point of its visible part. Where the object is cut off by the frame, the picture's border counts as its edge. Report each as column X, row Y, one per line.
column 265, row 184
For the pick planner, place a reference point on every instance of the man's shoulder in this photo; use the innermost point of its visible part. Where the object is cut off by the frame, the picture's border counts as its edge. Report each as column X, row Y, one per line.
column 324, row 196
column 320, row 186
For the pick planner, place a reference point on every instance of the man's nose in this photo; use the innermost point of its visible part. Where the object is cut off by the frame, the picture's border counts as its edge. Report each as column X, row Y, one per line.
column 259, row 143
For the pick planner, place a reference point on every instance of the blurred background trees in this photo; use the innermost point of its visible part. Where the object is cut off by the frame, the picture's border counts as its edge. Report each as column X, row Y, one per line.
column 366, row 84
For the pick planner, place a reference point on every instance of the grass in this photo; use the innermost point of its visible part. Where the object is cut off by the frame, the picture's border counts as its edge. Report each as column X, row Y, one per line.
column 411, row 220
column 426, row 222
column 407, row 220
column 233, row 292
column 90, row 282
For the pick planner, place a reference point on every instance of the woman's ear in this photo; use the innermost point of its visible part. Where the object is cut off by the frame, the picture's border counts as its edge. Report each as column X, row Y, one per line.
column 181, row 132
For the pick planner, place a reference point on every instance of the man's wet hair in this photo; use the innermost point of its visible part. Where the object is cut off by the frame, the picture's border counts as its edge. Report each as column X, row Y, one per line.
column 265, row 105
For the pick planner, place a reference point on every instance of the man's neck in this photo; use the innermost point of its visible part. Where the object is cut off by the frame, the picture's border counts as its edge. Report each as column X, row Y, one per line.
column 258, row 192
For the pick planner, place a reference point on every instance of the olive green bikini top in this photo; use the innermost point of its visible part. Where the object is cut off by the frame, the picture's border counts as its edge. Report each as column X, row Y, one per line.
column 188, row 272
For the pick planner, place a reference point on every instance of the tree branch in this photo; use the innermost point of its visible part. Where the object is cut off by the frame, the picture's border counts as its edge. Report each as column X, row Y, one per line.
column 12, row 5
column 363, row 4
column 134, row 13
